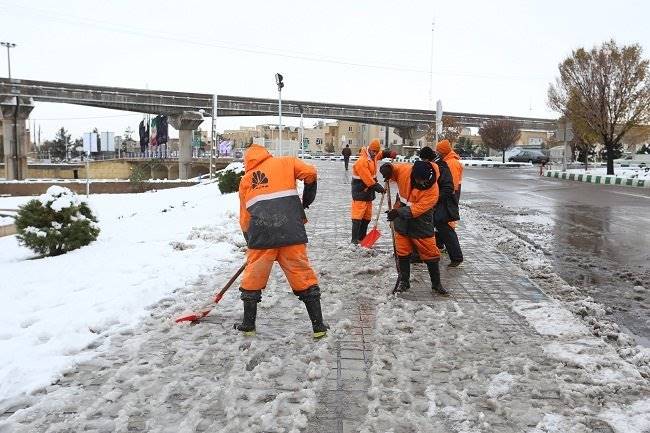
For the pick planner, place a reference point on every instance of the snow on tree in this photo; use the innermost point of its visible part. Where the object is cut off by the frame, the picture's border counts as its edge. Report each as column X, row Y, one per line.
column 56, row 222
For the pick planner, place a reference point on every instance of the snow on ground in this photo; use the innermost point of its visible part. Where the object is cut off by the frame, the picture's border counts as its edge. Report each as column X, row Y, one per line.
column 53, row 309
column 5, row 221
column 623, row 172
column 491, row 163
column 437, row 364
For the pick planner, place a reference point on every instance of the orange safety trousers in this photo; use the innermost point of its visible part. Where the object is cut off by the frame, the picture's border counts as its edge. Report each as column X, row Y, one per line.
column 361, row 210
column 426, row 247
column 292, row 259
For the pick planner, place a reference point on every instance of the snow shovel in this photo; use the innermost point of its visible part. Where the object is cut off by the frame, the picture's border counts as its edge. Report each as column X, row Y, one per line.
column 392, row 233
column 198, row 315
column 369, row 240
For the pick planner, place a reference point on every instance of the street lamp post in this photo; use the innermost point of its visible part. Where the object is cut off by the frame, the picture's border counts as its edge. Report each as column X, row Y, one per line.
column 302, row 134
column 9, row 46
column 278, row 81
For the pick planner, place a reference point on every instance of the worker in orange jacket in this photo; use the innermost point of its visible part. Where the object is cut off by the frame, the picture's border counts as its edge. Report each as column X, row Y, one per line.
column 446, row 213
column 412, row 218
column 447, row 236
column 364, row 185
column 452, row 160
column 272, row 218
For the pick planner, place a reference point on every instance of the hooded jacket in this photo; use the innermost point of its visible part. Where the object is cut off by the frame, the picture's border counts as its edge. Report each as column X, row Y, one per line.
column 271, row 214
column 453, row 162
column 364, row 175
column 455, row 168
column 446, row 209
column 415, row 205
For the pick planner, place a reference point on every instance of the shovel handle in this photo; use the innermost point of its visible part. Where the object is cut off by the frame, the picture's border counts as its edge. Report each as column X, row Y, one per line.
column 230, row 282
column 381, row 204
column 392, row 232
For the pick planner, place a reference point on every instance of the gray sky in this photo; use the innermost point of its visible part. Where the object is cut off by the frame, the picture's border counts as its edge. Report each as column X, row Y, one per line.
column 489, row 57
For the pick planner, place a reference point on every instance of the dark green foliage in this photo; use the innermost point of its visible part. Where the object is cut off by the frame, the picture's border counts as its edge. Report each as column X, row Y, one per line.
column 645, row 150
column 229, row 181
column 51, row 232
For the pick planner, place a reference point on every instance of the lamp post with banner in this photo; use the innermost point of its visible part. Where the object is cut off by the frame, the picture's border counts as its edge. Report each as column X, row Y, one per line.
column 278, row 81
column 438, row 120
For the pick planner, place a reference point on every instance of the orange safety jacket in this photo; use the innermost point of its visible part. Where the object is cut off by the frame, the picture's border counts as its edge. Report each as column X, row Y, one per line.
column 364, row 175
column 271, row 213
column 455, row 167
column 416, row 221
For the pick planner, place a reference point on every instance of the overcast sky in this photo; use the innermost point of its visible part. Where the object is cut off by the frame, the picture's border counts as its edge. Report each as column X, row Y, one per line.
column 494, row 57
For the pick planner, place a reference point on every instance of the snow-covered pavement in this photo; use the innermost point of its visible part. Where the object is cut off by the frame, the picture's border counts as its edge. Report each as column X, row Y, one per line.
column 498, row 355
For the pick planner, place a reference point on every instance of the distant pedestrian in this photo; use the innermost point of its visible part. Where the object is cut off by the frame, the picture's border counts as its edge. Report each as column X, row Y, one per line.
column 346, row 152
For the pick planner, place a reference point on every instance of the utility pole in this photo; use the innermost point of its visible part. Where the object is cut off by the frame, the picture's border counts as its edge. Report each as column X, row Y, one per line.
column 564, row 159
column 302, row 134
column 278, row 81
column 214, row 128
column 433, row 25
column 9, row 46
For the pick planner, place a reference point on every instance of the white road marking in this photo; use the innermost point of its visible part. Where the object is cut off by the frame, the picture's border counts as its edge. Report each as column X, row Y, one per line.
column 631, row 195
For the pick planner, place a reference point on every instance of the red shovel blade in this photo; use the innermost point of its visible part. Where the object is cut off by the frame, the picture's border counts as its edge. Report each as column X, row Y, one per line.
column 193, row 317
column 370, row 239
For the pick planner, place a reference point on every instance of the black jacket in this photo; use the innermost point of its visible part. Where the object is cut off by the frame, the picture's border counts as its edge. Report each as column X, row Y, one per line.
column 446, row 209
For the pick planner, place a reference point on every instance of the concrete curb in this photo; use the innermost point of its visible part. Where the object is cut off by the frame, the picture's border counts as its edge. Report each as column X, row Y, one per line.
column 500, row 165
column 600, row 179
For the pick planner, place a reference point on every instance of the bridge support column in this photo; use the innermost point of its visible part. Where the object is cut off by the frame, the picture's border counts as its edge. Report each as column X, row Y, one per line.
column 410, row 134
column 185, row 123
column 15, row 111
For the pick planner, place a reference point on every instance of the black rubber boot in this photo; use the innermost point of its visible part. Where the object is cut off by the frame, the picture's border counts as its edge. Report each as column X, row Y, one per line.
column 363, row 229
column 434, row 273
column 356, row 227
column 311, row 298
column 404, row 274
column 250, row 299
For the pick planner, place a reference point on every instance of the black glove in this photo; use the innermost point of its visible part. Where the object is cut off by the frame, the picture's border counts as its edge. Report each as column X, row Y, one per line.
column 308, row 194
column 392, row 214
column 378, row 188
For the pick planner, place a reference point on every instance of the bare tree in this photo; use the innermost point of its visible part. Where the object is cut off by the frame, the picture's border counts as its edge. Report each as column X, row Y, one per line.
column 499, row 135
column 451, row 130
column 607, row 89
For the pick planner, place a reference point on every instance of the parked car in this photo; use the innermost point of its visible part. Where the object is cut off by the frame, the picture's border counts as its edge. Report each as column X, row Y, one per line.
column 532, row 156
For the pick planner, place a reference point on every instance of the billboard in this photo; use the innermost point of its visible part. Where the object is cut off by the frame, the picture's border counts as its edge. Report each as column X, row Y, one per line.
column 90, row 142
column 107, row 140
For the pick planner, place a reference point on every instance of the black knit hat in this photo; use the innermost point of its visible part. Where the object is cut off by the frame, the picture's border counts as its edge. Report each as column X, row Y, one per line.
column 422, row 170
column 427, row 154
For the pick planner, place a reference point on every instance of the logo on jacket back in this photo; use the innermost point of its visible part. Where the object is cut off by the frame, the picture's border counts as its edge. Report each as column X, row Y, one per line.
column 259, row 180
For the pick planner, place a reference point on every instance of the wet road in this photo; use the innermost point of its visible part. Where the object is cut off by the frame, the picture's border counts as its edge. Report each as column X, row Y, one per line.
column 598, row 237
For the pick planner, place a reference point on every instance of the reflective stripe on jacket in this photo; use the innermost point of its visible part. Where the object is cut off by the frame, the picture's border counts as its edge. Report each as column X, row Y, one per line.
column 271, row 212
column 420, row 203
column 364, row 172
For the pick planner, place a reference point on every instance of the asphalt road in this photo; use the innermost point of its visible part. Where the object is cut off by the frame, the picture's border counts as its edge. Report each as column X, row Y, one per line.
column 598, row 236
